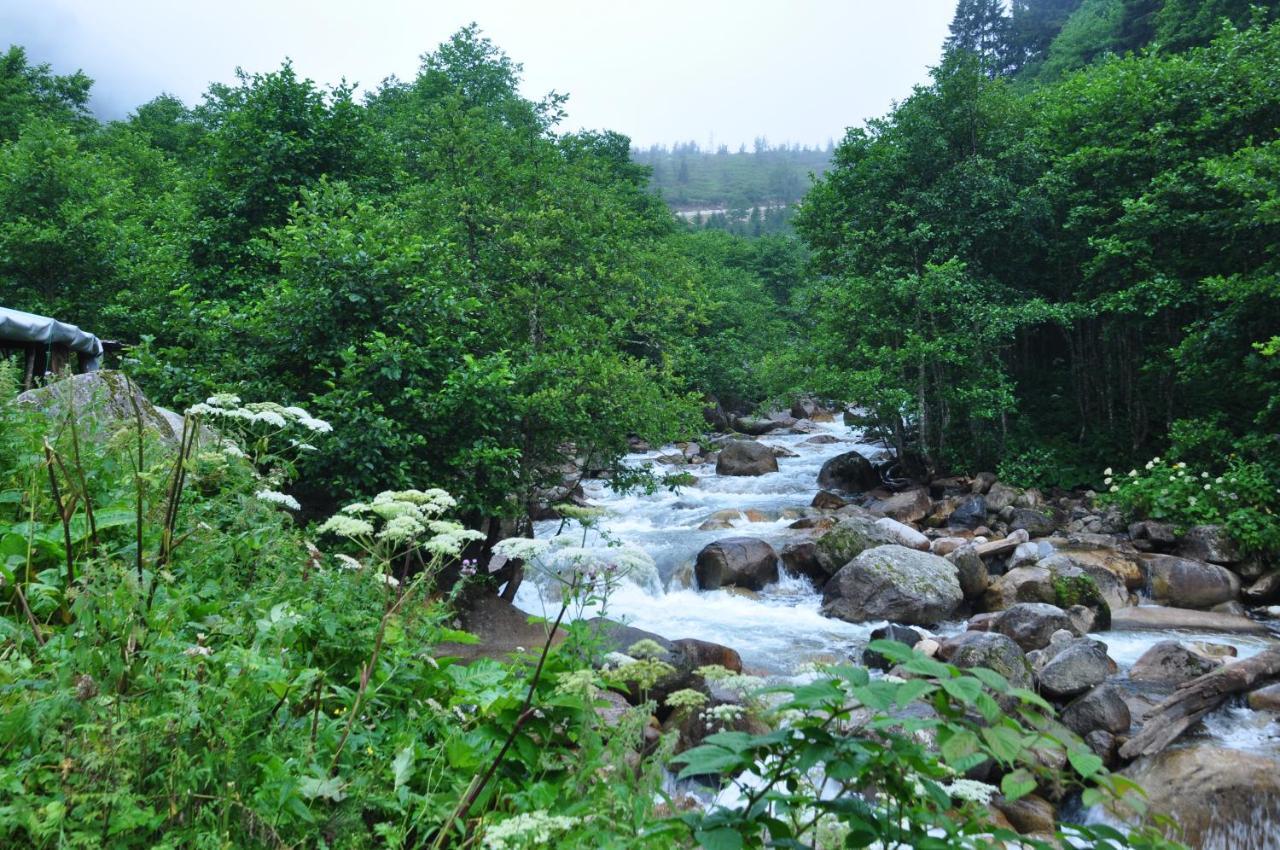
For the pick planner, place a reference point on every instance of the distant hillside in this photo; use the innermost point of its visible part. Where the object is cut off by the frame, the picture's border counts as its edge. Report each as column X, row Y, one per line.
column 692, row 179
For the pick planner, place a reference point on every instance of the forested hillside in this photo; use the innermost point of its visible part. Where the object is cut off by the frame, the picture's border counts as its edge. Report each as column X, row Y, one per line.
column 1058, row 277
column 690, row 178
column 456, row 284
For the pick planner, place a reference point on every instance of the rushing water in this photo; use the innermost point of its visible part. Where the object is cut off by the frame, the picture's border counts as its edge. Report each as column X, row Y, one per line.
column 779, row 629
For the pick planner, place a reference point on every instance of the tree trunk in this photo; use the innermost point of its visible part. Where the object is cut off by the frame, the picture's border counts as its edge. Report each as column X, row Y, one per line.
column 1194, row 699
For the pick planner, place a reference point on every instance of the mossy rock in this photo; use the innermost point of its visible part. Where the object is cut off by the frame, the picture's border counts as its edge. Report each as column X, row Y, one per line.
column 1069, row 590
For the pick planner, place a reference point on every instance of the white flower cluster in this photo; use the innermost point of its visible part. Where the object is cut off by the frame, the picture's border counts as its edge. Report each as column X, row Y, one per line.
column 557, row 561
column 971, row 791
column 578, row 682
column 227, row 407
column 278, row 498
column 530, row 829
column 406, row 517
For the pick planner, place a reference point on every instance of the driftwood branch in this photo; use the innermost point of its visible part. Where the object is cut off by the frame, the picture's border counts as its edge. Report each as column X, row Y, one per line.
column 1194, row 699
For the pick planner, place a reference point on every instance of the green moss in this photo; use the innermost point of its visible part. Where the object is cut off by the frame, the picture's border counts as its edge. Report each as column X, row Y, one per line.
column 1081, row 590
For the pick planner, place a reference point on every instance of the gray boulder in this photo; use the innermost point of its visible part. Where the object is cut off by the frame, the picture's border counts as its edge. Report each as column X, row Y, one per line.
column 1209, row 543
column 849, row 472
column 1001, row 496
column 1170, row 663
column 1032, row 624
column 971, row 570
column 103, row 403
column 893, row 583
column 1100, row 709
column 903, row 535
column 1076, row 667
column 971, row 512
column 1185, row 583
column 848, row 539
column 745, row 562
column 991, row 650
column 908, row 506
column 801, row 559
column 1036, row 523
column 745, row 457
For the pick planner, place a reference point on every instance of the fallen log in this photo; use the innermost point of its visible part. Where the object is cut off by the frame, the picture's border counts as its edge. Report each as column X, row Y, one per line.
column 1196, row 698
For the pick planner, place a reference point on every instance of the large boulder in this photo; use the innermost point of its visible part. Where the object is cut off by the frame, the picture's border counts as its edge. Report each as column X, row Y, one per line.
column 1124, row 565
column 1159, row 618
column 849, row 472
column 848, row 539
column 991, row 650
column 745, row 562
column 502, row 631
column 1075, row 667
column 1036, row 523
column 1209, row 543
column 1001, row 496
column 908, row 506
column 756, row 426
column 1102, row 583
column 1102, row 708
column 893, row 583
column 1032, row 624
column 1024, row 584
column 1170, row 663
column 103, row 403
column 1185, row 583
column 801, row 559
column 745, row 457
column 1219, row 797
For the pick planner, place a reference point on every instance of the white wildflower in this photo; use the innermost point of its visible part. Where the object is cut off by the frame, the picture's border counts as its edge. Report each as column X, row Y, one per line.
column 391, row 581
column 971, row 790
column 530, row 829
column 451, row 543
column 391, row 510
column 1204, row 475
column 270, row 417
column 357, row 508
column 296, row 413
column 201, row 651
column 1106, row 471
column 278, row 498
column 231, row 449
column 401, row 529
column 578, row 682
column 1115, row 488
column 319, row 426
column 1106, row 480
column 347, row 562
column 223, row 400
column 200, row 409
column 521, row 548
column 1133, row 473
column 1150, row 464
column 1208, row 486
column 347, row 526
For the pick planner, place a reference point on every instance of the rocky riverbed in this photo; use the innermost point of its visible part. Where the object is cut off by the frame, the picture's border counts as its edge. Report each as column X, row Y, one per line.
column 789, row 548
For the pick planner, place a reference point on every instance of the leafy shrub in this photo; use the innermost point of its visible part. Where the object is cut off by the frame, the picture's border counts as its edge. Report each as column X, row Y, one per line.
column 859, row 764
column 1245, row 498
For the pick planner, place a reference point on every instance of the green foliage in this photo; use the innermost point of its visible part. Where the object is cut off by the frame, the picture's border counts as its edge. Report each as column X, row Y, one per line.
column 252, row 691
column 1116, row 232
column 1244, row 497
column 859, row 740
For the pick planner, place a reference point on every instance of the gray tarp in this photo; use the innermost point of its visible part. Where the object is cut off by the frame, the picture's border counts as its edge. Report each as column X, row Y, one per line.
column 17, row 326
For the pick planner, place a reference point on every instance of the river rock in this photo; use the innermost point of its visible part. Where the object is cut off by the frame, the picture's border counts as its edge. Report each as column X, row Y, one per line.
column 944, row 546
column 1158, row 535
column 1029, row 815
column 1265, row 698
column 804, row 408
column 704, row 653
column 828, row 501
column 1222, row 799
column 1032, row 521
column 893, row 583
column 1024, row 584
column 1102, row 708
column 756, row 426
column 745, row 562
column 1001, row 496
column 903, row 535
column 850, row 537
column 1032, row 624
column 745, row 457
column 1265, row 590
column 1160, row 618
column 904, row 635
column 801, row 559
column 1208, row 543
column 907, row 506
column 982, row 482
column 971, row 570
column 849, row 472
column 969, row 512
column 502, row 629
column 1078, row 666
column 991, row 650
column 1170, row 663
column 822, row 440
column 1184, row 583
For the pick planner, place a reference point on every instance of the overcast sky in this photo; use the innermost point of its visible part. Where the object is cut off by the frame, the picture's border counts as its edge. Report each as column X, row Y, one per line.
column 659, row 71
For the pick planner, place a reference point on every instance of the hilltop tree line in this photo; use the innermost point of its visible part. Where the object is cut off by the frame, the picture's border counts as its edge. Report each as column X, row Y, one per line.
column 469, row 293
column 688, row 177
